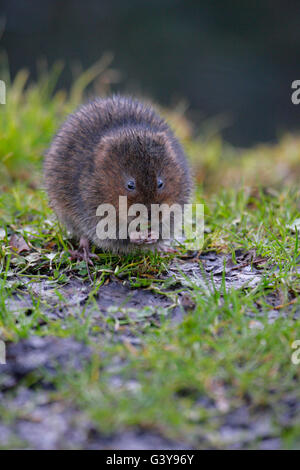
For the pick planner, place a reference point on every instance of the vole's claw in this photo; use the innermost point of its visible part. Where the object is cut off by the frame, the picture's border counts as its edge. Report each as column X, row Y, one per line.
column 83, row 254
column 78, row 255
column 93, row 255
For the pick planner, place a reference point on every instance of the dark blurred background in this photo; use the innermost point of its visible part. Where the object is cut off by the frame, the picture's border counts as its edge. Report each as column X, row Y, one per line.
column 230, row 60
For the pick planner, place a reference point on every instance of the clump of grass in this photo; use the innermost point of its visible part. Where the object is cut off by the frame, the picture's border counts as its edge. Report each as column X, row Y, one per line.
column 216, row 163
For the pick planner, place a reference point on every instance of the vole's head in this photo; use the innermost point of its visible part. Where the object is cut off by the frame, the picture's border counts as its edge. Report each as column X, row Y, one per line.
column 145, row 166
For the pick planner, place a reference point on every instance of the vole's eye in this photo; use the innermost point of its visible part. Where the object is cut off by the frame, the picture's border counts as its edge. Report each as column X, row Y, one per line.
column 160, row 183
column 130, row 185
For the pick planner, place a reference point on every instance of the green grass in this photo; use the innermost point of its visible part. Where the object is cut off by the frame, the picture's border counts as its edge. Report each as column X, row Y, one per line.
column 179, row 380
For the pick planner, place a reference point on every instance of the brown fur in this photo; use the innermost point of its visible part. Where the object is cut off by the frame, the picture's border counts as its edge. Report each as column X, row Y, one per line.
column 97, row 149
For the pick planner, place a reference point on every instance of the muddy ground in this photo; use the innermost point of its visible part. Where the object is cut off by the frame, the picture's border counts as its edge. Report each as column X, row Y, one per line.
column 43, row 423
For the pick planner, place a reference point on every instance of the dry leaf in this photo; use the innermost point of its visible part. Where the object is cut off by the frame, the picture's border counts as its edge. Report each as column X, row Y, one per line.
column 18, row 244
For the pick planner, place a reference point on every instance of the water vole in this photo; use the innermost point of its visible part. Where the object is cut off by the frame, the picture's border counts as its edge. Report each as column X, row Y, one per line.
column 109, row 148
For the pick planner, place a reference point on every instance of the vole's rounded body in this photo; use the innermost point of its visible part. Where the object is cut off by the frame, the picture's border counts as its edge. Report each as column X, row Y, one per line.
column 109, row 148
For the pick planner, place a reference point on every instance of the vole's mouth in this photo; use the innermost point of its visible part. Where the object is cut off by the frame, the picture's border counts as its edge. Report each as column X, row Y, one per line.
column 145, row 237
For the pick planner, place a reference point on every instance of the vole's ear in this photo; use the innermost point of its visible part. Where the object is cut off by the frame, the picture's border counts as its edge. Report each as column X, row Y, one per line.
column 163, row 139
column 106, row 144
column 108, row 140
column 160, row 138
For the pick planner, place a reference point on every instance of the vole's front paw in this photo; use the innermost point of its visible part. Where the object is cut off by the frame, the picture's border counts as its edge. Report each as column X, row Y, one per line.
column 83, row 253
